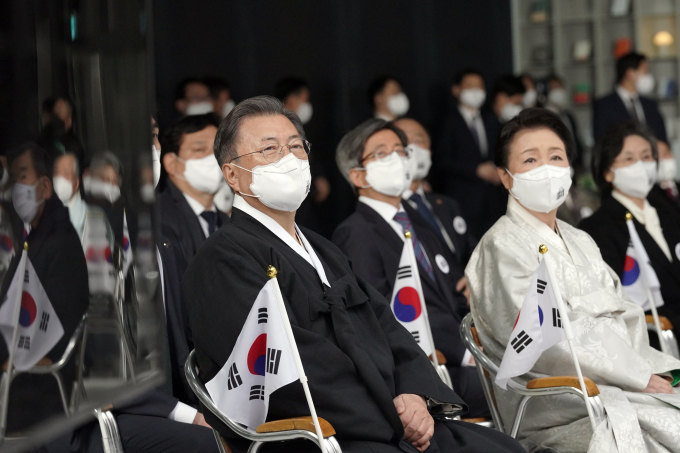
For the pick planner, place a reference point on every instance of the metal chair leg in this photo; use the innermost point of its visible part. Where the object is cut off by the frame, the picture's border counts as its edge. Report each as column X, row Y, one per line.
column 62, row 392
column 218, row 439
column 255, row 446
column 110, row 434
column 5, row 382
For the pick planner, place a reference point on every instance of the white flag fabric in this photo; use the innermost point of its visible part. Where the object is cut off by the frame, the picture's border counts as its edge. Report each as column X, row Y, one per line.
column 39, row 328
column 538, row 327
column 100, row 270
column 261, row 362
column 127, row 249
column 406, row 304
column 635, row 277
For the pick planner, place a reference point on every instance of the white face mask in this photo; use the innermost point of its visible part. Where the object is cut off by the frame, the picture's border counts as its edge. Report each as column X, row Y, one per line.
column 24, row 201
column 542, row 189
column 148, row 193
column 420, row 160
column 304, row 112
column 283, row 185
column 390, row 176
column 529, row 98
column 104, row 190
column 199, row 108
column 398, row 104
column 668, row 170
column 224, row 198
column 635, row 180
column 558, row 98
column 87, row 184
column 473, row 97
column 63, row 188
column 228, row 107
column 202, row 174
column 156, row 164
column 644, row 84
column 509, row 111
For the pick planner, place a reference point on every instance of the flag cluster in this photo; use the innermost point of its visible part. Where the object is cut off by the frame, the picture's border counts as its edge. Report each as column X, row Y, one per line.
column 538, row 327
column 260, row 363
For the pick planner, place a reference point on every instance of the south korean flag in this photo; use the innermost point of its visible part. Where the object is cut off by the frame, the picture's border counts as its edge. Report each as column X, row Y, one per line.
column 538, row 327
column 406, row 303
column 39, row 328
column 260, row 363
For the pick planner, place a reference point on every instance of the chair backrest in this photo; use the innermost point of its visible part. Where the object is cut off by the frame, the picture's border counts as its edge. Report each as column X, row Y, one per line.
column 486, row 369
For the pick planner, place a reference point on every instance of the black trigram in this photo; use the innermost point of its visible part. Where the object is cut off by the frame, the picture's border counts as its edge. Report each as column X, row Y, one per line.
column 44, row 321
column 24, row 342
column 262, row 316
column 416, row 336
column 404, row 272
column 521, row 341
column 541, row 286
column 560, row 193
column 273, row 359
column 557, row 321
column 233, row 380
column 257, row 392
column 26, row 276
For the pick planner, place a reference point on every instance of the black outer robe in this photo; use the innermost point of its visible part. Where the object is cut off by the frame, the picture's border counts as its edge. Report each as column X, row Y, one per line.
column 374, row 249
column 608, row 228
column 330, row 325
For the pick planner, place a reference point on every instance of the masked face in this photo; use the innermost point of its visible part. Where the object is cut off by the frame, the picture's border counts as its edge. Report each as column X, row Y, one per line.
column 668, row 170
column 529, row 98
column 473, row 97
column 635, row 180
column 644, row 84
column 25, row 201
column 420, row 160
column 509, row 111
column 199, row 108
column 304, row 112
column 104, row 190
column 390, row 176
column 63, row 188
column 398, row 104
column 543, row 188
column 202, row 174
column 558, row 98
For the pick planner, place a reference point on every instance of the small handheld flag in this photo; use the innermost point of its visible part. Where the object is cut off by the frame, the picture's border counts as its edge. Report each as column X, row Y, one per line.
column 538, row 327
column 264, row 359
column 28, row 322
column 100, row 269
column 408, row 303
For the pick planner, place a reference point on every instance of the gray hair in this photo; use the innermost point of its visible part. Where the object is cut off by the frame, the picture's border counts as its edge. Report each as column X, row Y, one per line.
column 105, row 159
column 351, row 148
column 228, row 134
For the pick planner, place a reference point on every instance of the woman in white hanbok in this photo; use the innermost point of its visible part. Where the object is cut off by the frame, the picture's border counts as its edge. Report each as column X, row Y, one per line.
column 610, row 334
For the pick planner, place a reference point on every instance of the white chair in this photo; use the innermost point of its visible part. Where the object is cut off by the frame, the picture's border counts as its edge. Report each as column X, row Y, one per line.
column 547, row 386
column 666, row 334
column 275, row 431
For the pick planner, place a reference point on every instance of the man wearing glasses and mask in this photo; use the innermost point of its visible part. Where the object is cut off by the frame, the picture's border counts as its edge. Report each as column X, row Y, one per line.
column 367, row 375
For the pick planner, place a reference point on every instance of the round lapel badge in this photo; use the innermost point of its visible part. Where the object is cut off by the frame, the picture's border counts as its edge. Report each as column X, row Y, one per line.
column 459, row 225
column 442, row 263
column 677, row 250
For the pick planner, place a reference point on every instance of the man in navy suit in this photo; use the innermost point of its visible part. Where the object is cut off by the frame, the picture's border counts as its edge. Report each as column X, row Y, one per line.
column 628, row 100
column 462, row 165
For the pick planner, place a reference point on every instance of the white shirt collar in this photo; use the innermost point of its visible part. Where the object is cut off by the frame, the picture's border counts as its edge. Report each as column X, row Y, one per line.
column 382, row 116
column 197, row 207
column 467, row 113
column 306, row 251
column 625, row 94
column 408, row 192
column 386, row 210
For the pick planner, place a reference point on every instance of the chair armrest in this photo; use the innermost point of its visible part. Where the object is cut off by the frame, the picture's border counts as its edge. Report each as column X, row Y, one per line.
column 475, row 420
column 665, row 322
column 563, row 381
column 290, row 424
column 45, row 361
column 440, row 357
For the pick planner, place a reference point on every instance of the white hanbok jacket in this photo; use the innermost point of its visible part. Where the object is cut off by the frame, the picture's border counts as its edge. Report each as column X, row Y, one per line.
column 610, row 338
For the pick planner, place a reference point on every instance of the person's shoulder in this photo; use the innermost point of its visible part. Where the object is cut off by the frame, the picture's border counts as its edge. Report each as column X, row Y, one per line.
column 347, row 230
column 594, row 221
column 443, row 200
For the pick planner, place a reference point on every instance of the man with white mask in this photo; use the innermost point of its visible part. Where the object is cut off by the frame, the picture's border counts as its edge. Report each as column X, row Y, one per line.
column 192, row 97
column 664, row 195
column 373, row 157
column 507, row 97
column 369, row 378
column 220, row 93
column 462, row 166
column 558, row 101
column 386, row 96
column 629, row 100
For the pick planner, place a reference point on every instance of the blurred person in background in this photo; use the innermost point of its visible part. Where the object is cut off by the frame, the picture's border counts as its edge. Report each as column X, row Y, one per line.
column 386, row 96
column 462, row 165
column 192, row 97
column 664, row 195
column 625, row 168
column 220, row 93
column 507, row 97
column 629, row 100
column 557, row 100
column 530, row 98
column 57, row 136
column 294, row 93
column 443, row 214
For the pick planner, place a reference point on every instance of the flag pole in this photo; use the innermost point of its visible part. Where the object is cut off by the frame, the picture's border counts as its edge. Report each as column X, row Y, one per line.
column 650, row 296
column 567, row 329
column 21, row 270
column 271, row 273
column 419, row 287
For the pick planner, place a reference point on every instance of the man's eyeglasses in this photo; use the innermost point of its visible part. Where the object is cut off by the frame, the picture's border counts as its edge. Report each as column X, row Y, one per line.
column 378, row 155
column 273, row 153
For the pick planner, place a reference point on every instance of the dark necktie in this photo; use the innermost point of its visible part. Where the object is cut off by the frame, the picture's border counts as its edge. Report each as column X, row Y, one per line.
column 402, row 219
column 473, row 131
column 211, row 218
column 425, row 212
column 633, row 110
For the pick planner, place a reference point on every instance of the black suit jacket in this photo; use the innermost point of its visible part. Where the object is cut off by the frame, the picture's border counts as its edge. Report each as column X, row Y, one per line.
column 375, row 249
column 663, row 204
column 608, row 228
column 455, row 159
column 610, row 110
